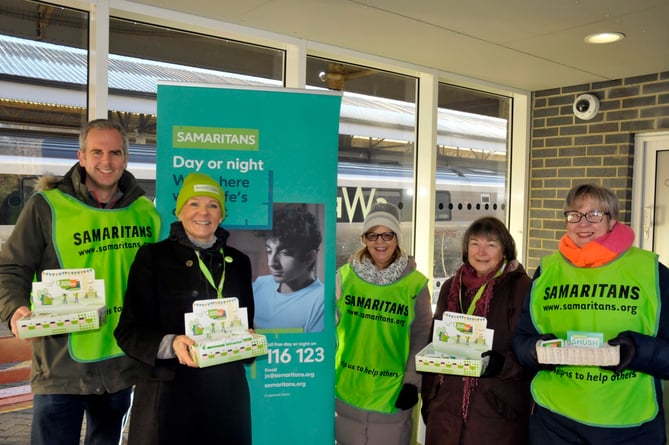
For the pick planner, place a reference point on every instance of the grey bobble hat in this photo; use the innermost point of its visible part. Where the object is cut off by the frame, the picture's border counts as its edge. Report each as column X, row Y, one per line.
column 383, row 214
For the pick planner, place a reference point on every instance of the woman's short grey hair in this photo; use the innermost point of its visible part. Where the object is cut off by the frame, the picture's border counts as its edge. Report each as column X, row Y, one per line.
column 606, row 198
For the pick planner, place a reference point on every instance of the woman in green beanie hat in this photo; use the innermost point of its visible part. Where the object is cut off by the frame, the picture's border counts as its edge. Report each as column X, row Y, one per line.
column 175, row 401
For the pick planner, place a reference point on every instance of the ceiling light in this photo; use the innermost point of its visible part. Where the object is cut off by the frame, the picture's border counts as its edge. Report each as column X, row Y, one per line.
column 604, row 37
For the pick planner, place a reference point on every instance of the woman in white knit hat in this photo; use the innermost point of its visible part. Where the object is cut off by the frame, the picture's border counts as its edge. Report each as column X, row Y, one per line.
column 384, row 316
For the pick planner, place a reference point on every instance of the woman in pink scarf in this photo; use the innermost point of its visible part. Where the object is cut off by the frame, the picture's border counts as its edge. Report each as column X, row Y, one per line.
column 598, row 283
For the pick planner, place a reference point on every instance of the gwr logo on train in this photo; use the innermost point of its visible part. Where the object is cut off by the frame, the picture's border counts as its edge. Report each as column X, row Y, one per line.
column 353, row 203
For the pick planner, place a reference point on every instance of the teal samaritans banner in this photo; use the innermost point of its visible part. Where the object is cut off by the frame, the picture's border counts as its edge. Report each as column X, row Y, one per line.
column 274, row 152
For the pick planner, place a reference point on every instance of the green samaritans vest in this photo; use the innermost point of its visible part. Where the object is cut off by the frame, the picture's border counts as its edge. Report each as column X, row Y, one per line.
column 620, row 296
column 373, row 336
column 105, row 240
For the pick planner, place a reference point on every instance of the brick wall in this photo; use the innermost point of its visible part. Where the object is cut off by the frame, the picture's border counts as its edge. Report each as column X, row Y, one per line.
column 566, row 151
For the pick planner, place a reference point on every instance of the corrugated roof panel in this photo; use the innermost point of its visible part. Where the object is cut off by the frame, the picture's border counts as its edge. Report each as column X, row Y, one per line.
column 361, row 115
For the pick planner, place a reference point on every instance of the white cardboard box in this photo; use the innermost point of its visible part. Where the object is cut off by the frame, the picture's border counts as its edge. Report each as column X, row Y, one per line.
column 228, row 349
column 457, row 344
column 40, row 325
column 220, row 330
column 66, row 300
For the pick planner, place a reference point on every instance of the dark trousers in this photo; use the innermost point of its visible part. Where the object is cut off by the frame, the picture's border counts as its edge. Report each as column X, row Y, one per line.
column 549, row 428
column 57, row 418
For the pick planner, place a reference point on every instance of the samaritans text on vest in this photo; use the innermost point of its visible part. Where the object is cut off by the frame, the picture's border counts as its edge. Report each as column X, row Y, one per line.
column 377, row 305
column 601, row 290
column 113, row 232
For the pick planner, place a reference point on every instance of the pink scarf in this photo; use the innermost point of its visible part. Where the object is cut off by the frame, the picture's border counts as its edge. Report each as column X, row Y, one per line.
column 599, row 251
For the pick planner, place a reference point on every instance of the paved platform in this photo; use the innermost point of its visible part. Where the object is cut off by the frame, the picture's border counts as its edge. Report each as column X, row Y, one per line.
column 15, row 423
column 15, row 427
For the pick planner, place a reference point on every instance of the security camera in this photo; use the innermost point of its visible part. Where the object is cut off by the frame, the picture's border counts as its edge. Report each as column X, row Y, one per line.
column 586, row 106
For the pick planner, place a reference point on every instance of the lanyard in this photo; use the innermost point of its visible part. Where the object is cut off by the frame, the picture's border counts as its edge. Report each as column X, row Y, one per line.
column 207, row 274
column 472, row 305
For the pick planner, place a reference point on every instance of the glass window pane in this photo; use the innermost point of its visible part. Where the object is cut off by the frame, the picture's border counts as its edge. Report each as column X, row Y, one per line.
column 141, row 55
column 43, row 84
column 472, row 141
column 43, row 78
column 376, row 145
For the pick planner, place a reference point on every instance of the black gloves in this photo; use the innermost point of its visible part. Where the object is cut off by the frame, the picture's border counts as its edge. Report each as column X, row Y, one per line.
column 544, row 337
column 627, row 351
column 533, row 354
column 495, row 363
column 407, row 397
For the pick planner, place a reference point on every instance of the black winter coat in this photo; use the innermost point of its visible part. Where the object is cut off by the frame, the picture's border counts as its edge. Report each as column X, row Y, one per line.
column 176, row 404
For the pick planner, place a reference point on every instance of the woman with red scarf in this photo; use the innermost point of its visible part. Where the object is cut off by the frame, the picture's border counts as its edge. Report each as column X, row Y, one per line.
column 493, row 408
column 598, row 282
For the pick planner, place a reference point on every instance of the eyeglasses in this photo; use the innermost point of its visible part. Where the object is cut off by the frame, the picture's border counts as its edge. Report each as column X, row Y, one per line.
column 385, row 236
column 593, row 216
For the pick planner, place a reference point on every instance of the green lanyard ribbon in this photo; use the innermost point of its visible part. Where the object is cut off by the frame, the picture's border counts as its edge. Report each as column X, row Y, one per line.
column 207, row 274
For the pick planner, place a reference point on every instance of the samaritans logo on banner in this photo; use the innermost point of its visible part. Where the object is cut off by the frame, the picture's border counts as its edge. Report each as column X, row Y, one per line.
column 216, row 138
column 274, row 153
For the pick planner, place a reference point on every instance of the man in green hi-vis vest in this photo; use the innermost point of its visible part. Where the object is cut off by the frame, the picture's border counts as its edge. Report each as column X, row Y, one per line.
column 94, row 217
column 597, row 285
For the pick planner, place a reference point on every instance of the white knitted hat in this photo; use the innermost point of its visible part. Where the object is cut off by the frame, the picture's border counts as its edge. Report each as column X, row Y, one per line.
column 383, row 214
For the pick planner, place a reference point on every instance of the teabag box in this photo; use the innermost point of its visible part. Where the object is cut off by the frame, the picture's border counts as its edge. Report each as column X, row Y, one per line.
column 221, row 333
column 65, row 300
column 457, row 344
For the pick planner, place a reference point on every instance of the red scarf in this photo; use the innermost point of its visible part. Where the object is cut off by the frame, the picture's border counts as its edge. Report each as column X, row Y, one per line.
column 466, row 278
